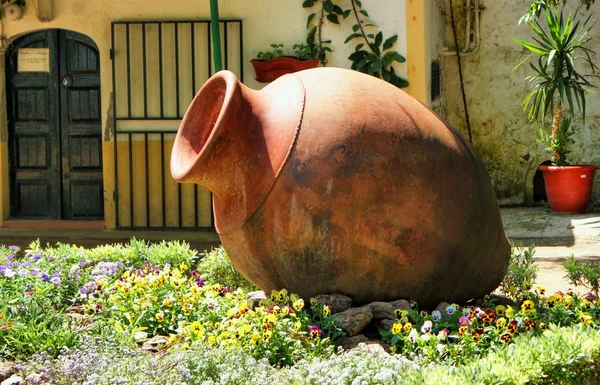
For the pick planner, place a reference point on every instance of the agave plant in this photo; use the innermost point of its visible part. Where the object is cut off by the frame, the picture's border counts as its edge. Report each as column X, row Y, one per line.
column 557, row 79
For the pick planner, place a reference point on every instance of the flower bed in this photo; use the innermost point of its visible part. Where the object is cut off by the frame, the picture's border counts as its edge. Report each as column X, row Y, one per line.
column 76, row 315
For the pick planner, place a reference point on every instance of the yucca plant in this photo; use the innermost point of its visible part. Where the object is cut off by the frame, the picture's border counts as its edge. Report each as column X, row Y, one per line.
column 557, row 78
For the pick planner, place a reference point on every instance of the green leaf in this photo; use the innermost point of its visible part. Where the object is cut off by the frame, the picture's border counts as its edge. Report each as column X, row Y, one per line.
column 328, row 6
column 310, row 17
column 390, row 42
column 378, row 39
column 358, row 55
column 308, row 3
column 364, row 12
column 377, row 65
column 353, row 36
column 337, row 9
column 358, row 3
column 333, row 18
column 532, row 47
column 355, row 27
column 359, row 46
column 346, row 13
column 399, row 58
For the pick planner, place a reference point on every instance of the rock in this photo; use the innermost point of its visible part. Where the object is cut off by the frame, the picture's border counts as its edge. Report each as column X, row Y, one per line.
column 6, row 370
column 401, row 304
column 499, row 299
column 385, row 324
column 337, row 302
column 375, row 347
column 349, row 343
column 354, row 320
column 256, row 297
column 155, row 344
column 13, row 380
column 442, row 309
column 382, row 310
column 140, row 337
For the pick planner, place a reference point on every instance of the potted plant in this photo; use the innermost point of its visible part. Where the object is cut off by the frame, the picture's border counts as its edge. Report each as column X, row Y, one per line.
column 559, row 88
column 272, row 64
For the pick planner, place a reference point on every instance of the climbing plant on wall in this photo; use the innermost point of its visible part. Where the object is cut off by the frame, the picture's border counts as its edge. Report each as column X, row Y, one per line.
column 373, row 54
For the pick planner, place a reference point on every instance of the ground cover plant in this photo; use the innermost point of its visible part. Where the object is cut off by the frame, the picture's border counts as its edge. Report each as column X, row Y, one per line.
column 73, row 315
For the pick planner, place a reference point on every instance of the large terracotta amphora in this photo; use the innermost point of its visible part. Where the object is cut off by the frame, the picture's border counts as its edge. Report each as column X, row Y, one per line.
column 329, row 180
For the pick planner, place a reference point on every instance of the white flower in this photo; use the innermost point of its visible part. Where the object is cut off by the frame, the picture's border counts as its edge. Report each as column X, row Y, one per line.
column 437, row 315
column 413, row 336
column 466, row 311
column 450, row 309
column 441, row 348
column 426, row 328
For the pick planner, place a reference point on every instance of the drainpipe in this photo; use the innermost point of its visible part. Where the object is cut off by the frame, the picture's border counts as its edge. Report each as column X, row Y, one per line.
column 468, row 50
column 216, row 34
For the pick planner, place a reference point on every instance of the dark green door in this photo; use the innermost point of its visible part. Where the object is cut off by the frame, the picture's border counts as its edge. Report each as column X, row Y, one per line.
column 55, row 142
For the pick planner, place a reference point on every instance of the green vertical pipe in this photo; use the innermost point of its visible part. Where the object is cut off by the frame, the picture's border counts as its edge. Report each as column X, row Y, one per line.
column 216, row 34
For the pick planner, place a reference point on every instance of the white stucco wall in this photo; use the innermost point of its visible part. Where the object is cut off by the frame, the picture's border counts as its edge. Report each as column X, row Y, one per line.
column 501, row 133
column 265, row 22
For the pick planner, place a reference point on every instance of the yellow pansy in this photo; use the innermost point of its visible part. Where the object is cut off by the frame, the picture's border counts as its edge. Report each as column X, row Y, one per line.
column 396, row 328
column 298, row 304
column 510, row 313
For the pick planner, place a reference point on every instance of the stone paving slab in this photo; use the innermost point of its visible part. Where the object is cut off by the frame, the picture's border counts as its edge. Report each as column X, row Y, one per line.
column 556, row 237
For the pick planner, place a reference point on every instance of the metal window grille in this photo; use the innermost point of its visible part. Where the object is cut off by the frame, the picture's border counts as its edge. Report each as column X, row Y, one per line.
column 158, row 66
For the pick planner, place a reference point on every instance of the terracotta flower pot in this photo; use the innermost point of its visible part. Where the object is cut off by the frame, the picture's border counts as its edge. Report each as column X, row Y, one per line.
column 329, row 180
column 269, row 70
column 569, row 188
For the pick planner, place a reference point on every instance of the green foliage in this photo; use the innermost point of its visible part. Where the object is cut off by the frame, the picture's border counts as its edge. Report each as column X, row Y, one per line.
column 559, row 356
column 558, row 79
column 536, row 8
column 300, row 51
column 268, row 55
column 521, row 273
column 216, row 267
column 373, row 53
column 583, row 273
column 561, row 142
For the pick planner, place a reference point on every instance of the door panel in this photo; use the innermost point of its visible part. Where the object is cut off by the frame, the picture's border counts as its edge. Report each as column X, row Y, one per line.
column 55, row 136
column 34, row 133
column 81, row 127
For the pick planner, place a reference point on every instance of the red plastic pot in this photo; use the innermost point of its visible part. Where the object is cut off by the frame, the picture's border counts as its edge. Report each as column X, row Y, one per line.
column 569, row 188
column 267, row 71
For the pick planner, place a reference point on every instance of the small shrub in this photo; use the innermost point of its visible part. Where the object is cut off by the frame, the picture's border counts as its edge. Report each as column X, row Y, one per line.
column 583, row 273
column 521, row 273
column 216, row 267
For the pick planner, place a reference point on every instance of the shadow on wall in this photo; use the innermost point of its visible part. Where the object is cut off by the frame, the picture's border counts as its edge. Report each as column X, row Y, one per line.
column 539, row 189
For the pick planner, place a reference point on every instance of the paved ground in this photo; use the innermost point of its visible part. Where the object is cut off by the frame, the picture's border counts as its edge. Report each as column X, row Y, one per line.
column 556, row 236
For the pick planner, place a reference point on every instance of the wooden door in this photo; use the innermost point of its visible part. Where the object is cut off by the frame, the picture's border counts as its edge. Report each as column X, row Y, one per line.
column 80, row 126
column 55, row 143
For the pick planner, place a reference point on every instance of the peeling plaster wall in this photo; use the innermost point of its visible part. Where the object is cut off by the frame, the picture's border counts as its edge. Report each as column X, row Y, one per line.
column 501, row 133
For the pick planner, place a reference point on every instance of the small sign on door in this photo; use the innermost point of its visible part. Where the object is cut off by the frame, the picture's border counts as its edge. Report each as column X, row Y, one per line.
column 34, row 60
